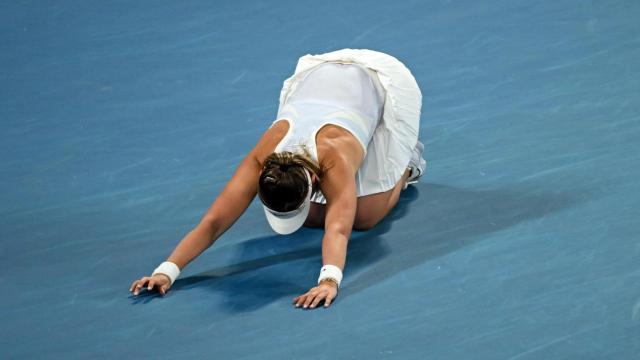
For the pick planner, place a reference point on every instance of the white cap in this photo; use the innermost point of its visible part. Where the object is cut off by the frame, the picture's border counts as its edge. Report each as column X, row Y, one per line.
column 287, row 222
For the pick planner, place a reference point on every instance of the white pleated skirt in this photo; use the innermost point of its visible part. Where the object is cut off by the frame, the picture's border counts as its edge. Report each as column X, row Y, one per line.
column 391, row 146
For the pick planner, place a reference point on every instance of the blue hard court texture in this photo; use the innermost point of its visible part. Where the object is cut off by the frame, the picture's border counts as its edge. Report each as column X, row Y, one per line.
column 121, row 121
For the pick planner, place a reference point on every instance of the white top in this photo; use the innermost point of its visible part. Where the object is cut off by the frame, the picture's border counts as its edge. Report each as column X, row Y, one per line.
column 390, row 149
column 345, row 95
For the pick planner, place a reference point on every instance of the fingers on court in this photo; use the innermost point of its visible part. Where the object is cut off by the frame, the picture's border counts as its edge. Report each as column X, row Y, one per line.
column 317, row 300
column 309, row 300
column 133, row 284
column 328, row 300
column 302, row 299
column 139, row 284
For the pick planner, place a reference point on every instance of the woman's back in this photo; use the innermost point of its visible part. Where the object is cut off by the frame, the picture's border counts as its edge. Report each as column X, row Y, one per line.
column 345, row 86
column 331, row 106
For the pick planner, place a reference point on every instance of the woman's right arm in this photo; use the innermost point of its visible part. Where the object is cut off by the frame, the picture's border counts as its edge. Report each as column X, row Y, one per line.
column 225, row 210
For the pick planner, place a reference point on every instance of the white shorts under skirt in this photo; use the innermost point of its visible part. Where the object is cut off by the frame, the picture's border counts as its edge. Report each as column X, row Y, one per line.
column 391, row 147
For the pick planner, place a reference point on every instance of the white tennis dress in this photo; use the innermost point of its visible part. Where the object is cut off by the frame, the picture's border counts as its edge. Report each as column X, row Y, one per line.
column 370, row 94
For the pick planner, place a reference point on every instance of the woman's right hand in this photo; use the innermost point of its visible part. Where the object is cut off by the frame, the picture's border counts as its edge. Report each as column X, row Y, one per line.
column 161, row 282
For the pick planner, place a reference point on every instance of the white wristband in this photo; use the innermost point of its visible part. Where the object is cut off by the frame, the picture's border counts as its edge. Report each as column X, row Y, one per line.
column 330, row 271
column 168, row 268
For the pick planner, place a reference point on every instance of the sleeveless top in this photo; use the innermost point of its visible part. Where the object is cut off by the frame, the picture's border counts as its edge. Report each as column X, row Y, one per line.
column 346, row 95
column 395, row 137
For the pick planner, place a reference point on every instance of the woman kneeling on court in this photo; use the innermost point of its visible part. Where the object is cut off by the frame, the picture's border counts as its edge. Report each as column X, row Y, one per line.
column 343, row 146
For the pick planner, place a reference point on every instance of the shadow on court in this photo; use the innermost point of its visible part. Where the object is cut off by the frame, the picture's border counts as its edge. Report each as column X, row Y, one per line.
column 444, row 220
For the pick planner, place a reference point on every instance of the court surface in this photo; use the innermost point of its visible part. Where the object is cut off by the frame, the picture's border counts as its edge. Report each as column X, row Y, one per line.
column 121, row 121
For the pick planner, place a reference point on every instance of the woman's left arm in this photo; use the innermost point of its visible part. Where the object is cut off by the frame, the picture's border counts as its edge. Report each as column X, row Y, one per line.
column 339, row 188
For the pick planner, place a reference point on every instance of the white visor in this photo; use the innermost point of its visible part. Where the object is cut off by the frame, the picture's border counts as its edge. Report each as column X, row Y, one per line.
column 287, row 222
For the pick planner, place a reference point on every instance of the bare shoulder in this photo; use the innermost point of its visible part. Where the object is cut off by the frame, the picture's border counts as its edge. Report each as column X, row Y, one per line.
column 270, row 139
column 338, row 174
column 338, row 148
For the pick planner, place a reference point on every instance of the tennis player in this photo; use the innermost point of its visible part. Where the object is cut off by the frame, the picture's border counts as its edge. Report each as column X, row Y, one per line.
column 342, row 148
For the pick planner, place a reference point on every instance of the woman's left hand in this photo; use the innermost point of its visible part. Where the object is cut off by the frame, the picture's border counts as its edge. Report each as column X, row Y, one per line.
column 326, row 290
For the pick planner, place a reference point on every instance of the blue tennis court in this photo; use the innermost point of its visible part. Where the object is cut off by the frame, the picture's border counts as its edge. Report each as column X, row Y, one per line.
column 122, row 121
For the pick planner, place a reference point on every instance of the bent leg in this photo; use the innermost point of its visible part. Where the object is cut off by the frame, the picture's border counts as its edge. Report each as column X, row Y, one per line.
column 373, row 208
column 370, row 211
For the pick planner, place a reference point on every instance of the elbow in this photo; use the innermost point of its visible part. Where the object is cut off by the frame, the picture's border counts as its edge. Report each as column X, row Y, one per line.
column 208, row 221
column 210, row 226
column 339, row 229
